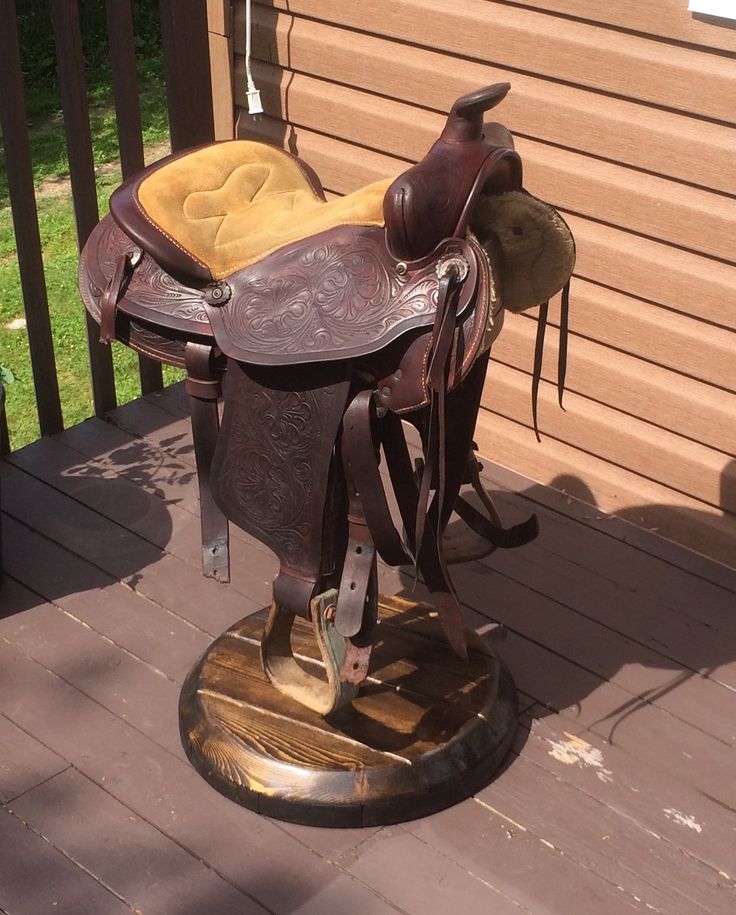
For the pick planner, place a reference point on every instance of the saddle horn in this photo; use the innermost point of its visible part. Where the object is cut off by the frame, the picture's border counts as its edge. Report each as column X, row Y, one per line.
column 433, row 200
column 465, row 120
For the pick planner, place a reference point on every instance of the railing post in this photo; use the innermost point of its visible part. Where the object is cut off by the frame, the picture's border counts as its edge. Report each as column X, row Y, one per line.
column 25, row 220
column 187, row 66
column 128, row 117
column 73, row 90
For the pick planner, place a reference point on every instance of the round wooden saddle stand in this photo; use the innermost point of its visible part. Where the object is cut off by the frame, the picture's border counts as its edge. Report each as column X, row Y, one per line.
column 426, row 730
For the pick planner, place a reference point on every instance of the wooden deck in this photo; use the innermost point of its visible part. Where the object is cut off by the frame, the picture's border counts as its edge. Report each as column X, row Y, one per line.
column 620, row 795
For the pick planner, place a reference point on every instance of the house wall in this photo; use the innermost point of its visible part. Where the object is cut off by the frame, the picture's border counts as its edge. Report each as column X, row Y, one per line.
column 624, row 116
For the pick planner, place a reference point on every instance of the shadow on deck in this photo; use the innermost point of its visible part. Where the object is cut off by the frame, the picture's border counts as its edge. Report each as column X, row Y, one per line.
column 620, row 794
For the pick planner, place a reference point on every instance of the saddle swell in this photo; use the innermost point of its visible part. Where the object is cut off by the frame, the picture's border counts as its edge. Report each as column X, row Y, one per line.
column 338, row 319
column 435, row 198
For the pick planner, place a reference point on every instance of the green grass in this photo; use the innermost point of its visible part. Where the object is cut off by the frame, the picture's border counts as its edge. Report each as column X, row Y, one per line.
column 58, row 236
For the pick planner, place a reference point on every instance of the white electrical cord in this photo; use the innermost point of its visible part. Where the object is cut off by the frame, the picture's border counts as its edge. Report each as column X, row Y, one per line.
column 253, row 95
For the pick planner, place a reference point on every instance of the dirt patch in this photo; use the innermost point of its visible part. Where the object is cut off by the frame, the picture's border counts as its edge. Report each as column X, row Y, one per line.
column 60, row 185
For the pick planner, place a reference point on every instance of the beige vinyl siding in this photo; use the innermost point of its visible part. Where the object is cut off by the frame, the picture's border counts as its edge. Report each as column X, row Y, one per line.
column 623, row 114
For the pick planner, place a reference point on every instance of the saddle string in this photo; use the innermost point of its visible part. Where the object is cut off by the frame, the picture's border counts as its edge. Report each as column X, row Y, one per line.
column 542, row 321
column 443, row 335
column 537, row 369
column 125, row 264
column 506, row 538
column 564, row 332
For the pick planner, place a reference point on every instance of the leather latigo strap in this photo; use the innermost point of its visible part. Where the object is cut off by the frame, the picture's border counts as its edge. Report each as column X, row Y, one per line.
column 370, row 520
column 542, row 320
column 370, row 526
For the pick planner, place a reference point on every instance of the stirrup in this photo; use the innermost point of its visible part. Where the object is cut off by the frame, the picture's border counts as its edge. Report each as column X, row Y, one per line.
column 345, row 663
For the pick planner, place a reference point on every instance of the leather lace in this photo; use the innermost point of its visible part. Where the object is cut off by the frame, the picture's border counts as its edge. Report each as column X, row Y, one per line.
column 561, row 353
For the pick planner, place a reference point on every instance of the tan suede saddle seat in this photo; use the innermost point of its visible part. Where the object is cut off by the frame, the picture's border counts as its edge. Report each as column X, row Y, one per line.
column 210, row 212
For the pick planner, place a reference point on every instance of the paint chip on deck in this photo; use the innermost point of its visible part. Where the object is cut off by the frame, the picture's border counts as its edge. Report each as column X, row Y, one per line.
column 683, row 819
column 575, row 751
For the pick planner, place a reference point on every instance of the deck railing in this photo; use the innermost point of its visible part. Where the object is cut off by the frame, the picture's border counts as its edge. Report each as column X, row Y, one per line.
column 189, row 101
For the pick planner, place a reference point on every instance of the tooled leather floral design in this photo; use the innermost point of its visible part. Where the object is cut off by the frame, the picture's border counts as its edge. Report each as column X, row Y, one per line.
column 145, row 340
column 336, row 297
column 153, row 288
column 270, row 489
column 273, row 457
column 150, row 287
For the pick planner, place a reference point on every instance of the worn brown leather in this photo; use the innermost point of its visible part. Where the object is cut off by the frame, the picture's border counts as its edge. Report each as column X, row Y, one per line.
column 434, row 199
column 329, row 341
column 273, row 461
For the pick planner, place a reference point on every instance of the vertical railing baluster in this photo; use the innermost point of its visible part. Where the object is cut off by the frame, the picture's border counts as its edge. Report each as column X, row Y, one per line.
column 4, row 435
column 73, row 90
column 128, row 116
column 25, row 220
column 187, row 67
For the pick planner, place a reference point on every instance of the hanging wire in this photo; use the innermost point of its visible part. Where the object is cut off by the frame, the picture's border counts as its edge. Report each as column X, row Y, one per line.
column 253, row 95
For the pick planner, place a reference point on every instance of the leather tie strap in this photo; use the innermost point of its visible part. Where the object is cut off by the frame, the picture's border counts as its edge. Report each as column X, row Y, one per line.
column 443, row 334
column 360, row 462
column 507, row 538
column 360, row 555
column 561, row 353
column 370, row 525
column 537, row 369
column 125, row 263
column 564, row 333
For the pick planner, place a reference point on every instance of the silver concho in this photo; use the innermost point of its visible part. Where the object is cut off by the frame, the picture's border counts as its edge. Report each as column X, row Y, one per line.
column 452, row 263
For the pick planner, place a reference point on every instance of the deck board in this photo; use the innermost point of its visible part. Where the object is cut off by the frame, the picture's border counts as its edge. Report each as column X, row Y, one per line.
column 37, row 877
column 599, row 838
column 618, row 795
column 144, row 867
column 24, row 762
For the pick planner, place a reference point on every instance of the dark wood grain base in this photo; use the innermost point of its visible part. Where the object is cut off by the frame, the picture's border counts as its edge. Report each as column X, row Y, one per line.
column 427, row 730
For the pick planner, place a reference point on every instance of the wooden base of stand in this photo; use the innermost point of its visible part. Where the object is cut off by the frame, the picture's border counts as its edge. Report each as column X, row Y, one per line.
column 426, row 731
